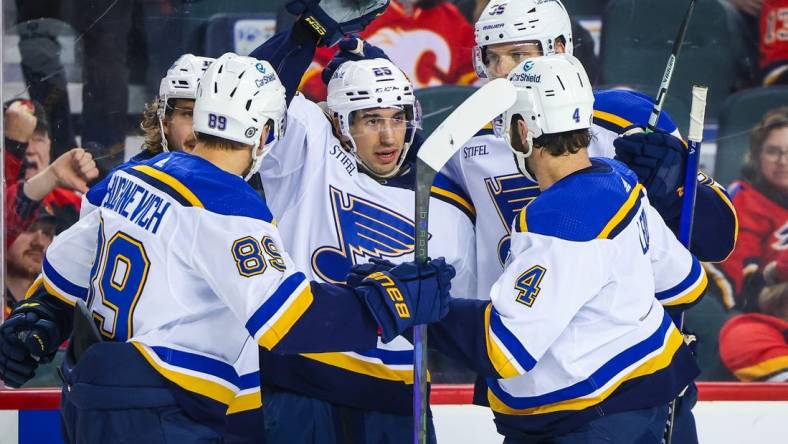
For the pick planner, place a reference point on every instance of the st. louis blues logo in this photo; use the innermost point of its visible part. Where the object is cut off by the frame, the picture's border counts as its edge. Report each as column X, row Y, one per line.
column 782, row 238
column 364, row 230
column 510, row 194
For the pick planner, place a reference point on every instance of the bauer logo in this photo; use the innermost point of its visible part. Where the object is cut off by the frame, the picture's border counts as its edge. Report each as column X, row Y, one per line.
column 527, row 78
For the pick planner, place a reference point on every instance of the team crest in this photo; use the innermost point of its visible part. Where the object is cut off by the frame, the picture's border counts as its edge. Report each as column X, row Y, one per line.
column 510, row 193
column 364, row 230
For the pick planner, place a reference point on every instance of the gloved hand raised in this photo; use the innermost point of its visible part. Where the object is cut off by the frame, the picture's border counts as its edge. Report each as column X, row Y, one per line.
column 407, row 295
column 330, row 20
column 351, row 48
column 658, row 159
column 28, row 337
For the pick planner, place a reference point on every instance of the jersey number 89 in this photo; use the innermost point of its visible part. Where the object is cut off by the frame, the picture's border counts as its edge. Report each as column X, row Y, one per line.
column 120, row 278
column 249, row 257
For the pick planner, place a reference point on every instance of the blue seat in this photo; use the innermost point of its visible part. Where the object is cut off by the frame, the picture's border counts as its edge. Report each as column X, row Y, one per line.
column 238, row 32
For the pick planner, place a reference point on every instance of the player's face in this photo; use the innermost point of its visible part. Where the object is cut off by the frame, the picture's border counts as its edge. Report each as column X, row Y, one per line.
column 504, row 57
column 178, row 126
column 26, row 253
column 379, row 134
column 774, row 159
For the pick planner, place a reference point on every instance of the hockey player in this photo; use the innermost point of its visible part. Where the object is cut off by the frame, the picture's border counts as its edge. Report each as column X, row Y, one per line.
column 576, row 347
column 483, row 167
column 345, row 171
column 180, row 264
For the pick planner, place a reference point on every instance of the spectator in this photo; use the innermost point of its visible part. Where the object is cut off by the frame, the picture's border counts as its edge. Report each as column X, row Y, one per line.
column 761, row 201
column 753, row 346
column 429, row 40
column 24, row 257
column 27, row 146
column 773, row 60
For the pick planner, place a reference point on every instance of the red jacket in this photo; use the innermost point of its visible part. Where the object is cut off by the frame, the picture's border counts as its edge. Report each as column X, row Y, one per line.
column 774, row 32
column 753, row 347
column 432, row 46
column 763, row 238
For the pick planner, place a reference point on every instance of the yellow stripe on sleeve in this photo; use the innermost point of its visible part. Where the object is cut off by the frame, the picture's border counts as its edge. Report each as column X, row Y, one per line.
column 282, row 326
column 174, row 183
column 497, row 357
column 454, row 197
column 693, row 294
column 349, row 363
column 51, row 290
column 622, row 212
column 35, row 286
column 612, row 118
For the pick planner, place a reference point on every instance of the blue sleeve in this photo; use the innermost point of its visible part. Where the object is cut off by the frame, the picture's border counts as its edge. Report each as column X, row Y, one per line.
column 714, row 227
column 290, row 53
column 462, row 335
column 337, row 320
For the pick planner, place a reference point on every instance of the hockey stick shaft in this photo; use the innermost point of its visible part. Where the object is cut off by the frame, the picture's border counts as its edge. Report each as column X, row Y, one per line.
column 669, row 68
column 697, row 115
column 469, row 117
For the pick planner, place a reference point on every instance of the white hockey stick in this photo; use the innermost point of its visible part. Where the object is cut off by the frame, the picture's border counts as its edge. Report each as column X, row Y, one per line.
column 472, row 115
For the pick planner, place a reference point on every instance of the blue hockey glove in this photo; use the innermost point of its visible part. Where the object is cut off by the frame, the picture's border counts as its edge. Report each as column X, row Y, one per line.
column 28, row 338
column 351, row 48
column 658, row 159
column 407, row 295
column 330, row 20
column 360, row 271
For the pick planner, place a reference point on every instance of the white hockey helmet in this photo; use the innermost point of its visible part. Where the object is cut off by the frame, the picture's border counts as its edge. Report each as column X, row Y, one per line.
column 180, row 83
column 236, row 98
column 554, row 96
column 510, row 21
column 372, row 83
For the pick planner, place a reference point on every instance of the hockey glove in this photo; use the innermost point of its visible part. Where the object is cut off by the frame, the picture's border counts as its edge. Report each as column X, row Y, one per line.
column 407, row 295
column 360, row 271
column 351, row 48
column 29, row 337
column 658, row 159
column 330, row 20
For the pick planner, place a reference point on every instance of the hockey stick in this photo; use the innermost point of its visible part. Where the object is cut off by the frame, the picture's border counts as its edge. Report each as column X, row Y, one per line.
column 476, row 111
column 697, row 114
column 674, row 55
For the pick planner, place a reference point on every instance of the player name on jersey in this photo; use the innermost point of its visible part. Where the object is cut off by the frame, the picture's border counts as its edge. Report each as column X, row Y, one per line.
column 136, row 203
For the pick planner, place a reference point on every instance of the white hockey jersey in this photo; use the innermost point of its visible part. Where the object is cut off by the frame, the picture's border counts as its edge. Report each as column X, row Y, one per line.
column 184, row 261
column 573, row 319
column 484, row 168
column 333, row 216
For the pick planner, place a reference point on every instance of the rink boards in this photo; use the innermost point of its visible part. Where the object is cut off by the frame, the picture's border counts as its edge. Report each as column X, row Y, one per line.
column 726, row 413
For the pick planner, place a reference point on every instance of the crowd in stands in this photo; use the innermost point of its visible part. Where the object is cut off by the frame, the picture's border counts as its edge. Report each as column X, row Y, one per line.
column 432, row 41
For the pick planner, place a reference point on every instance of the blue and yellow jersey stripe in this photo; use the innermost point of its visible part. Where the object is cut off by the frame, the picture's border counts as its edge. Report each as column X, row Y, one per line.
column 651, row 355
column 446, row 190
column 624, row 215
column 195, row 373
column 277, row 315
column 507, row 355
column 688, row 291
column 381, row 364
column 166, row 183
column 58, row 286
column 249, row 396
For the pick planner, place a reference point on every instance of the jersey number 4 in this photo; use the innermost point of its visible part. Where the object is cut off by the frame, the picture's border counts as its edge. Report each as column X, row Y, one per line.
column 120, row 278
column 527, row 285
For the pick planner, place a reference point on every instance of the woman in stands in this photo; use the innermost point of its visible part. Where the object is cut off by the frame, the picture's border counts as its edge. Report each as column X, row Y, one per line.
column 761, row 200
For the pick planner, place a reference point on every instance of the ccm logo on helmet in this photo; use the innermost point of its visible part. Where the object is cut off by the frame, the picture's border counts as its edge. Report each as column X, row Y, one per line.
column 393, row 292
column 498, row 10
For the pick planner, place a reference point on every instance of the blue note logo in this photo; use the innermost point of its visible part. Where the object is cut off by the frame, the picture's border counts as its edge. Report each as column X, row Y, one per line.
column 510, row 194
column 364, row 230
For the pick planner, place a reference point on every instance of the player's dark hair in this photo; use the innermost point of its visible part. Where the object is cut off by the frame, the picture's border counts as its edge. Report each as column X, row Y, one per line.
column 219, row 143
column 559, row 144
